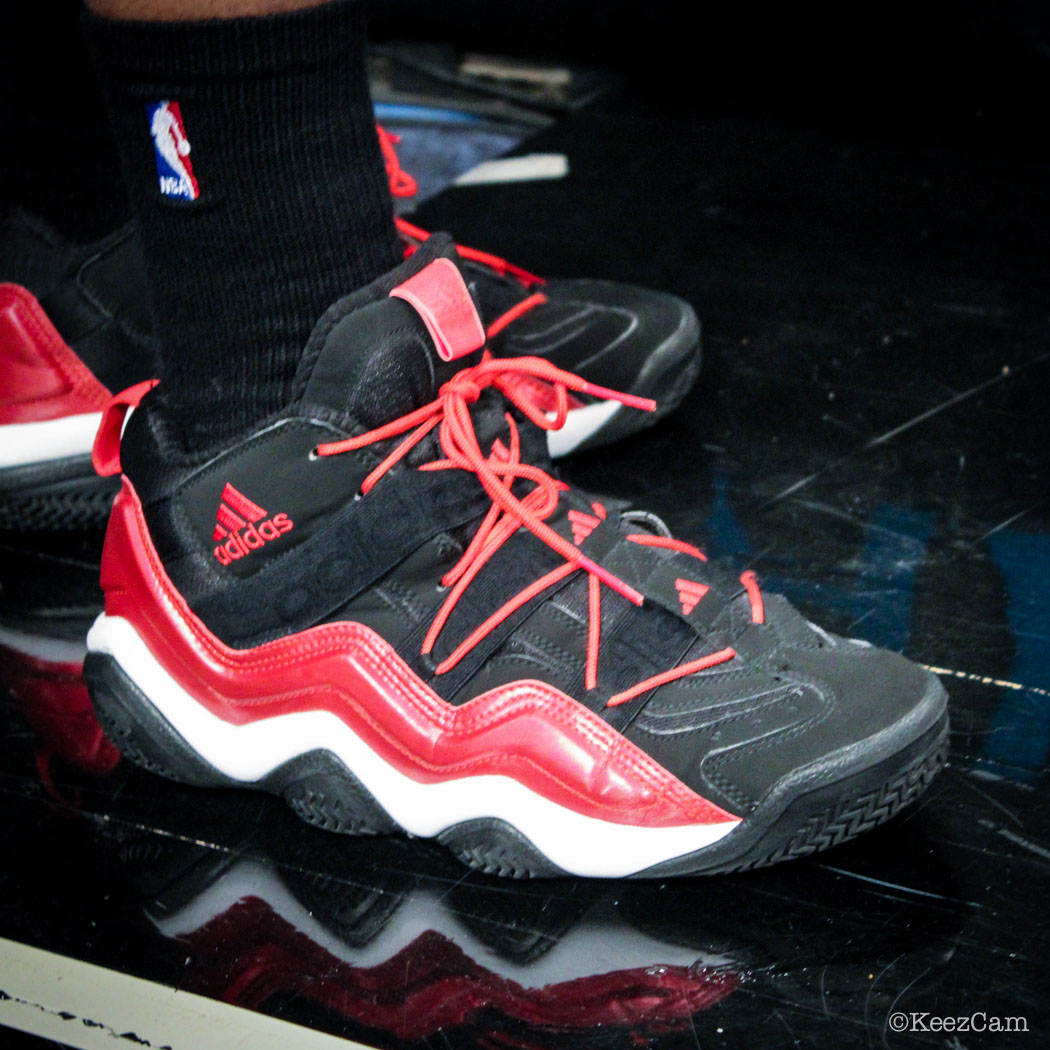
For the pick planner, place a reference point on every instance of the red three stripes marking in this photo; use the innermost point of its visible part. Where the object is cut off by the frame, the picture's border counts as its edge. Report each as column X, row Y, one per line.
column 582, row 525
column 689, row 593
column 235, row 511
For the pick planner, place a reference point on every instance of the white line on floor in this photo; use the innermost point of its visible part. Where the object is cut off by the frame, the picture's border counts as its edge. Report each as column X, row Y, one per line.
column 1000, row 683
column 92, row 1008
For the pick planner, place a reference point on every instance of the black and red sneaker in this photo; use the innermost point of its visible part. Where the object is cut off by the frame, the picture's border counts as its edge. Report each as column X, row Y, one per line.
column 74, row 326
column 634, row 339
column 381, row 605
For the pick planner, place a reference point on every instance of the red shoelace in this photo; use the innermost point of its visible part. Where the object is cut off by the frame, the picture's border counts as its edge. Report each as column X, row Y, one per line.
column 403, row 185
column 497, row 472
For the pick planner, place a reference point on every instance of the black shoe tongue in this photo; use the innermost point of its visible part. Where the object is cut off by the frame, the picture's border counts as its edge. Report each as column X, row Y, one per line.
column 381, row 352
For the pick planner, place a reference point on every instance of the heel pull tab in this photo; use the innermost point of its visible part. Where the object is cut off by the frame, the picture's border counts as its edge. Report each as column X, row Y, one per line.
column 105, row 453
column 440, row 296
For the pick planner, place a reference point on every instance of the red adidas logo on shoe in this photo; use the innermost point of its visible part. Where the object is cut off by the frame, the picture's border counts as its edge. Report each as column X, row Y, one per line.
column 244, row 526
column 584, row 524
column 689, row 593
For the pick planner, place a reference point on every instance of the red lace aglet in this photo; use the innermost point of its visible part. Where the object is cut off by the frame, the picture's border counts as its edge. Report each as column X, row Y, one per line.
column 610, row 581
column 646, row 404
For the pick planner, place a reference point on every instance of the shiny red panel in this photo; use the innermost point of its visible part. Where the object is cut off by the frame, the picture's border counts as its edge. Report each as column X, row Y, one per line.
column 526, row 730
column 40, row 376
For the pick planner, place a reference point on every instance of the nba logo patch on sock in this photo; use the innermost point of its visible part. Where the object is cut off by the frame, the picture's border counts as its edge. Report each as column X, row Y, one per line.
column 172, row 149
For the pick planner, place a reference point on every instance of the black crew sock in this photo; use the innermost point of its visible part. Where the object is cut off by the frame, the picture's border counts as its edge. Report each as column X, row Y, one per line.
column 279, row 207
column 57, row 154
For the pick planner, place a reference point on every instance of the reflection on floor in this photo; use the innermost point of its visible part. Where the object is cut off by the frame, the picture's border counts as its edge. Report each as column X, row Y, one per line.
column 870, row 433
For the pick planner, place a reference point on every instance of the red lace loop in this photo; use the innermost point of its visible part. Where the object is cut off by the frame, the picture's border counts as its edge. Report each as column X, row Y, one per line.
column 648, row 540
column 403, row 185
column 711, row 660
column 758, row 609
column 516, row 311
column 498, row 472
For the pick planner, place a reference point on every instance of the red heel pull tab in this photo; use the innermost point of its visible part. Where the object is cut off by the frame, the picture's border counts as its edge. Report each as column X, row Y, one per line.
column 105, row 454
column 440, row 296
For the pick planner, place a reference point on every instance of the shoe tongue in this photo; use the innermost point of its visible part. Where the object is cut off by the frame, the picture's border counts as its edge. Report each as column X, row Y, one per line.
column 384, row 351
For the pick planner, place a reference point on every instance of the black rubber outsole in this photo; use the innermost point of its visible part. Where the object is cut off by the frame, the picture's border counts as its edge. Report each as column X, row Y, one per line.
column 323, row 792
column 57, row 495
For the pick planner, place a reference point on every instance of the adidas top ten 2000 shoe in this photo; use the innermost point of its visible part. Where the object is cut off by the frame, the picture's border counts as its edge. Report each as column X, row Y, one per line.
column 633, row 339
column 383, row 606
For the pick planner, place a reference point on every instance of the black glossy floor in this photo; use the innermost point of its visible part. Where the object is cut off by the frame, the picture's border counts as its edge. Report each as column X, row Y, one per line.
column 870, row 432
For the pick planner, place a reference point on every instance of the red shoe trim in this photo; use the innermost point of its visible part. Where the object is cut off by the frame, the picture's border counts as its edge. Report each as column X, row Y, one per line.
column 40, row 376
column 526, row 730
column 105, row 453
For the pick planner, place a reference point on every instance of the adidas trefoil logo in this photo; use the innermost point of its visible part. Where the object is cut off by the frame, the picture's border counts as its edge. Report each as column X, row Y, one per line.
column 242, row 526
column 689, row 593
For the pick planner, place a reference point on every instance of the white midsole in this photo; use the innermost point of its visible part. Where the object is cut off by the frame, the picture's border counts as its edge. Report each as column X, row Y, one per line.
column 577, row 844
column 49, row 439
column 580, row 424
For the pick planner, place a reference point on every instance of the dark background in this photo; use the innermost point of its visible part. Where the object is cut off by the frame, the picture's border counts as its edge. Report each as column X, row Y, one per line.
column 966, row 71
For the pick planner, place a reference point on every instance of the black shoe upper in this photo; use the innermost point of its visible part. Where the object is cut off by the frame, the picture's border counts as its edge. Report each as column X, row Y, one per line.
column 791, row 696
column 605, row 330
column 94, row 294
column 602, row 328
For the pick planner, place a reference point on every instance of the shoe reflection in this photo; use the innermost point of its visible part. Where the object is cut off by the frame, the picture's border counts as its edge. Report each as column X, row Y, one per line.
column 49, row 596
column 410, row 955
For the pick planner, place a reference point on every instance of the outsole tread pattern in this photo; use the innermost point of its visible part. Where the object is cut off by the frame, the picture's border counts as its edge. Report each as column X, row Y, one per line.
column 56, row 512
column 853, row 817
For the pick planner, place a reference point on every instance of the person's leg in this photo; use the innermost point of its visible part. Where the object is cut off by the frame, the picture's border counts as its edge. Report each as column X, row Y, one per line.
column 249, row 151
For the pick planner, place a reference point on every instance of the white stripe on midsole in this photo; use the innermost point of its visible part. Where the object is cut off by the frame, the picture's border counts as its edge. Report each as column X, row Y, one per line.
column 580, row 424
column 576, row 843
column 25, row 443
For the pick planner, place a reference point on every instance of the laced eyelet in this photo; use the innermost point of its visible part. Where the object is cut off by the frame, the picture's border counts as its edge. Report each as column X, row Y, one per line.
column 449, row 414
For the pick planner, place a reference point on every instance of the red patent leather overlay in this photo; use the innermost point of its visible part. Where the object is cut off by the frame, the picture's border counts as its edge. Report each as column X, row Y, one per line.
column 40, row 376
column 54, row 699
column 105, row 453
column 440, row 296
column 526, row 730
